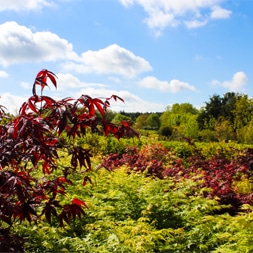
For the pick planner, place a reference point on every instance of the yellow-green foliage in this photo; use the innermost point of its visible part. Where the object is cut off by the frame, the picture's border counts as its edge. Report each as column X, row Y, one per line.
column 135, row 213
column 244, row 186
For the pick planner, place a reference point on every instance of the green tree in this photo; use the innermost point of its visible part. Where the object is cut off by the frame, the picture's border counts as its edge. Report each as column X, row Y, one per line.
column 212, row 110
column 110, row 115
column 228, row 107
column 118, row 118
column 183, row 108
column 165, row 131
column 132, row 115
column 246, row 133
column 165, row 119
column 219, row 107
column 141, row 121
column 191, row 128
column 224, row 130
column 243, row 112
column 182, row 119
column 153, row 121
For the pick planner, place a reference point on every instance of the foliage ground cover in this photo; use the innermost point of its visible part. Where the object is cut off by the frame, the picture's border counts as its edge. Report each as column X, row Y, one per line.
column 129, row 212
column 150, row 199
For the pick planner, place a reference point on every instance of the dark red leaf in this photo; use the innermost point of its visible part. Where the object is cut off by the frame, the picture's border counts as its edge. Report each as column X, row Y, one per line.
column 98, row 103
column 50, row 209
column 41, row 80
column 86, row 178
column 125, row 123
column 78, row 202
column 31, row 103
column 62, row 123
column 52, row 76
column 115, row 97
column 91, row 109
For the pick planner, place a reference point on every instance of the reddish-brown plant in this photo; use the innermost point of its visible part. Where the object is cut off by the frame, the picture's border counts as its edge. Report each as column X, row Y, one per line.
column 31, row 141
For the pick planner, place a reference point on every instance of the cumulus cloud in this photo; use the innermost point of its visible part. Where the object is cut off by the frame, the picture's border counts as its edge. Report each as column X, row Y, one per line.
column 174, row 86
column 110, row 60
column 239, row 80
column 19, row 44
column 3, row 74
column 220, row 13
column 68, row 81
column 11, row 102
column 15, row 5
column 192, row 13
column 132, row 103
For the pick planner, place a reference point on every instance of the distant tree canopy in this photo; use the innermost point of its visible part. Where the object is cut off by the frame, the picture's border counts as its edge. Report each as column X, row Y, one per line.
column 141, row 121
column 223, row 118
column 153, row 121
column 147, row 121
column 232, row 107
column 118, row 118
column 132, row 115
column 183, row 108
column 227, row 117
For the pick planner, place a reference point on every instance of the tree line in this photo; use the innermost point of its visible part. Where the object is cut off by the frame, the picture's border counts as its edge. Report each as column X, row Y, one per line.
column 223, row 118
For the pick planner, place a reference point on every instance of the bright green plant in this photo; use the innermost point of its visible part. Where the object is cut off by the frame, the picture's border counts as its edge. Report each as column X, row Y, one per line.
column 135, row 213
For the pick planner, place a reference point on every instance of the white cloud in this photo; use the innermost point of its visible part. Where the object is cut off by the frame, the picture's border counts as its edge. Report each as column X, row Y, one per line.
column 19, row 44
column 192, row 13
column 68, row 81
column 127, row 3
column 3, row 74
column 132, row 103
column 110, row 60
column 174, row 86
column 195, row 23
column 11, row 103
column 237, row 83
column 220, row 13
column 15, row 5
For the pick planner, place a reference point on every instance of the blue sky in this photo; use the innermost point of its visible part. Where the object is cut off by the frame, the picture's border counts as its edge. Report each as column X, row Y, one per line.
column 151, row 53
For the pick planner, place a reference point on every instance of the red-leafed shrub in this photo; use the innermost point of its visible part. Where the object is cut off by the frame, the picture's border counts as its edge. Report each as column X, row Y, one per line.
column 218, row 173
column 31, row 141
column 150, row 158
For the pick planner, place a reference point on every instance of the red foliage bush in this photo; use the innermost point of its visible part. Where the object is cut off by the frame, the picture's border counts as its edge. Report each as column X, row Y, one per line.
column 30, row 141
column 217, row 173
